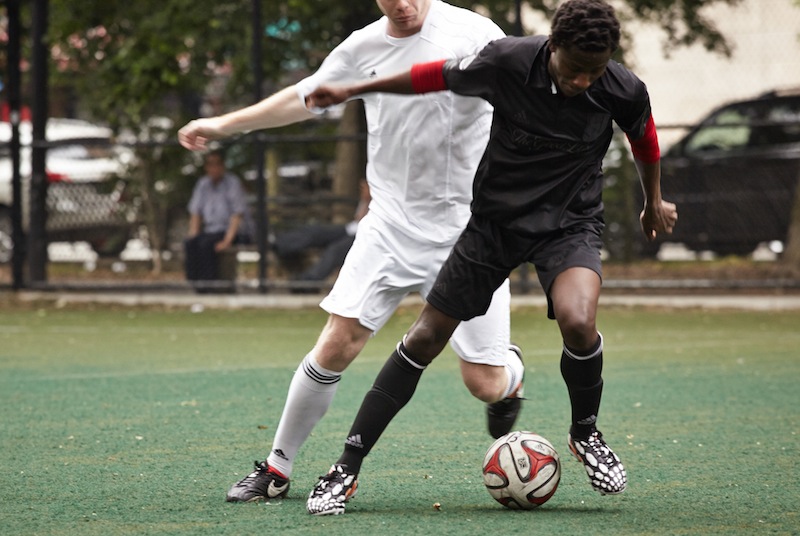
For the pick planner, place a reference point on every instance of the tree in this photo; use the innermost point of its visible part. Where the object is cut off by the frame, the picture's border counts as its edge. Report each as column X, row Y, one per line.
column 127, row 62
column 121, row 59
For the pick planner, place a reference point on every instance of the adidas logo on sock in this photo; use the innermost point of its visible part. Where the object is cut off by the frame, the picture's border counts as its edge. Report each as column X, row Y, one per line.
column 355, row 441
column 591, row 419
column 279, row 453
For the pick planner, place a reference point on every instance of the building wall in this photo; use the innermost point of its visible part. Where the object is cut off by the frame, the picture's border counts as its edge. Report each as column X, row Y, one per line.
column 765, row 38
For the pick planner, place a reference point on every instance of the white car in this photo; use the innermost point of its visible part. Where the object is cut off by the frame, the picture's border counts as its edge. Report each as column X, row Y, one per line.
column 84, row 198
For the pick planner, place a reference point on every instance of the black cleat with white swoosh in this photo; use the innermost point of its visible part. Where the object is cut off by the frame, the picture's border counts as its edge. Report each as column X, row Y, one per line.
column 262, row 484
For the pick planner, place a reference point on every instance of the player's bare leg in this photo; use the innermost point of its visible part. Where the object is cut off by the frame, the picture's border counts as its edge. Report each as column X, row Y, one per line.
column 501, row 387
column 311, row 393
column 575, row 294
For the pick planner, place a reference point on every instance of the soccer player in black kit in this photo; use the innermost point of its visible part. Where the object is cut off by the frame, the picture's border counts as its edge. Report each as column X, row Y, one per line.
column 537, row 197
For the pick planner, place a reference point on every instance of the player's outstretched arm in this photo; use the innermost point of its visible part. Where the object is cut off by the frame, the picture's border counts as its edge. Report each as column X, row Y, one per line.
column 282, row 108
column 329, row 95
column 421, row 78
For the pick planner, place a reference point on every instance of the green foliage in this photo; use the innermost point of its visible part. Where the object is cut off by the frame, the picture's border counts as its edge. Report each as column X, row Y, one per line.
column 129, row 60
column 125, row 58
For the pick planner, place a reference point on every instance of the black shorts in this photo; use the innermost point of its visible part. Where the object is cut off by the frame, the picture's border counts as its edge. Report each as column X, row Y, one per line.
column 485, row 254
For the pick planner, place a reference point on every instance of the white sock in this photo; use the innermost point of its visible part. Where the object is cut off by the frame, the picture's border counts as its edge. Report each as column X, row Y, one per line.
column 310, row 395
column 514, row 372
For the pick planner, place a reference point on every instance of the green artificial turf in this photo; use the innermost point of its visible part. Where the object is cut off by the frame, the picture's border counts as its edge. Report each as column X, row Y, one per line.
column 136, row 421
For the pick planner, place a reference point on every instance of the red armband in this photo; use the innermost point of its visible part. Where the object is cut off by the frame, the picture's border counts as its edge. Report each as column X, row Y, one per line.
column 646, row 148
column 427, row 77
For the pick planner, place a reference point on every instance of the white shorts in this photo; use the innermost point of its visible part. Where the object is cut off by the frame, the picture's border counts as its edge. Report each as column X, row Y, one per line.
column 384, row 265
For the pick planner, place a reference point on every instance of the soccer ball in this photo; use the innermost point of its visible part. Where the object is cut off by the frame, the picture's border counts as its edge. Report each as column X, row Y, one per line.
column 521, row 470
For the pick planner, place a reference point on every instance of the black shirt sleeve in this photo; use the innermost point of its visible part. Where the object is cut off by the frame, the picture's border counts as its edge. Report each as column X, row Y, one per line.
column 474, row 76
column 630, row 104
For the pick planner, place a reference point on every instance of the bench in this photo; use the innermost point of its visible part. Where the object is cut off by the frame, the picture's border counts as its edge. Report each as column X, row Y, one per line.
column 228, row 260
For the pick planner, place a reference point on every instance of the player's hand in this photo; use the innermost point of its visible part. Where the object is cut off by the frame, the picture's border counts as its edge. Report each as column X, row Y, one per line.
column 658, row 218
column 196, row 134
column 325, row 96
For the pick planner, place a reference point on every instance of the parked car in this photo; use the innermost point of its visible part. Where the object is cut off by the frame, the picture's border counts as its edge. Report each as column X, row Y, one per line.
column 85, row 198
column 735, row 175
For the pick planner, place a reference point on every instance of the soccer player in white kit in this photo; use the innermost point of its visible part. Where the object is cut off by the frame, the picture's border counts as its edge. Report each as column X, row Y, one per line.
column 422, row 156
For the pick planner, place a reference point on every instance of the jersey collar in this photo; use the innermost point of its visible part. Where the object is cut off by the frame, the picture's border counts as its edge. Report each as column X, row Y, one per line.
column 538, row 76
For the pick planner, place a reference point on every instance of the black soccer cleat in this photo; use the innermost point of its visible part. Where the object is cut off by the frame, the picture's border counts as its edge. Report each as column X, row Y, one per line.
column 606, row 472
column 262, row 484
column 332, row 492
column 502, row 415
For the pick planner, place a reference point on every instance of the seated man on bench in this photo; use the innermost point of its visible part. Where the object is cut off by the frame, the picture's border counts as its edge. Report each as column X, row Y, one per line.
column 219, row 218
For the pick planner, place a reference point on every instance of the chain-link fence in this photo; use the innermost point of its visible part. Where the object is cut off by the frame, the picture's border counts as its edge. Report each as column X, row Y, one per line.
column 117, row 214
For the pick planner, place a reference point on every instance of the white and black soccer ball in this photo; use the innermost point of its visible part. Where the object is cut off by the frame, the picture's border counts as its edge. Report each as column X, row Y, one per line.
column 521, row 470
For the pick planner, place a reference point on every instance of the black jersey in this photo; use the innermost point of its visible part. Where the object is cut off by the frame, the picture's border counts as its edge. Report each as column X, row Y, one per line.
column 542, row 168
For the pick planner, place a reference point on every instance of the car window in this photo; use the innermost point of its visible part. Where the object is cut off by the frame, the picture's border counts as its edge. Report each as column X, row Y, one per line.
column 781, row 125
column 756, row 124
column 728, row 129
column 76, row 152
column 82, row 152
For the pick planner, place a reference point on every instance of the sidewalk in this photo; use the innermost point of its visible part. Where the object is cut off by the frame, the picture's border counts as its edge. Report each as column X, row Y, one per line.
column 756, row 302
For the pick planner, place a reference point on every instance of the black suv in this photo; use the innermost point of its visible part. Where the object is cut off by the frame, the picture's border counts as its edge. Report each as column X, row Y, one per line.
column 734, row 176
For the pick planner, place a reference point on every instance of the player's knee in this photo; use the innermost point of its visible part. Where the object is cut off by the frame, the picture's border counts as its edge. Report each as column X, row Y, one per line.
column 484, row 391
column 578, row 330
column 338, row 346
column 424, row 342
column 335, row 360
column 429, row 334
column 335, row 357
column 487, row 383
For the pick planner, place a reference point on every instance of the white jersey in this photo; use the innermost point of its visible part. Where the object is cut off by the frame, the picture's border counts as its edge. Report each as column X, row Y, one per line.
column 422, row 150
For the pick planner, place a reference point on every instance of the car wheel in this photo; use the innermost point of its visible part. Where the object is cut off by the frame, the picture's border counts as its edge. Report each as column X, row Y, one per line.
column 6, row 237
column 111, row 245
column 741, row 250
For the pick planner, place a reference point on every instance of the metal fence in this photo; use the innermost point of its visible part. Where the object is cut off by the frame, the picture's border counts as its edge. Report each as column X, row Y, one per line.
column 117, row 215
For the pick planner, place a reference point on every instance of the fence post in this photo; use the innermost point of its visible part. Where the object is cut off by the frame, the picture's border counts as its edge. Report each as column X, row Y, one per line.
column 37, row 232
column 258, row 148
column 14, row 75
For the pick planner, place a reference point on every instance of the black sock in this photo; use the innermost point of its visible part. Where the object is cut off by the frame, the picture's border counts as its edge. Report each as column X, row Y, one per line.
column 582, row 372
column 393, row 388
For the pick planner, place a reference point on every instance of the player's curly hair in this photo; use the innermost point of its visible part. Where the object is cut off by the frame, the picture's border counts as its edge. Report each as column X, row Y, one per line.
column 588, row 25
